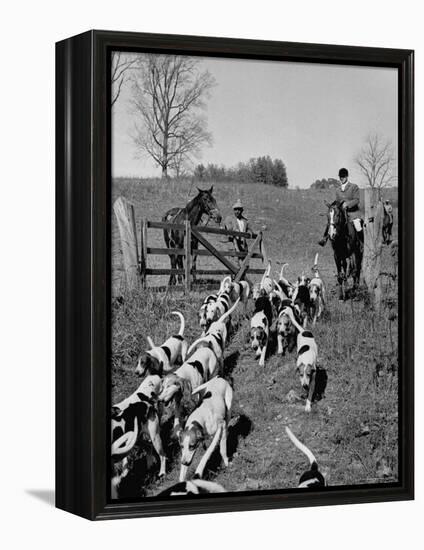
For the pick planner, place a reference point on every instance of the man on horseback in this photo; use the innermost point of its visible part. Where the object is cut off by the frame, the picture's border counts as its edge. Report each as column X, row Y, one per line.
column 348, row 197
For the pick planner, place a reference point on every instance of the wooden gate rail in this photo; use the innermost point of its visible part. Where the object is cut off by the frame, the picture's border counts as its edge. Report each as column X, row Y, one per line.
column 201, row 229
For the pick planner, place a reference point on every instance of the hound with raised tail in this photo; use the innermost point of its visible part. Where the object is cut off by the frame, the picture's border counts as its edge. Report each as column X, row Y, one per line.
column 210, row 419
column 198, row 369
column 216, row 309
column 264, row 288
column 162, row 359
column 216, row 336
column 307, row 354
column 316, row 293
column 259, row 328
column 192, row 487
column 134, row 414
column 284, row 285
column 312, row 477
column 203, row 313
column 236, row 290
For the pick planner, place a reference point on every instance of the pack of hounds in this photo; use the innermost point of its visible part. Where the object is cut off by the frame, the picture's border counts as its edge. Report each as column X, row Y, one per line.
column 176, row 371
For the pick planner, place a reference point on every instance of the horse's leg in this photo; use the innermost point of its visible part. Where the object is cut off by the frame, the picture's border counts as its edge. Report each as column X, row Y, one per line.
column 180, row 264
column 194, row 247
column 179, row 261
column 339, row 276
column 172, row 280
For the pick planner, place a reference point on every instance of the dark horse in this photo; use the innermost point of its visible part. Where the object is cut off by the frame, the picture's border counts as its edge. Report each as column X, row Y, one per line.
column 203, row 203
column 347, row 247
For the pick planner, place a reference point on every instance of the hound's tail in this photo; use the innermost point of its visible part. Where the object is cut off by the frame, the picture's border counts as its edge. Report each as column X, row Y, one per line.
column 282, row 278
column 195, row 343
column 302, row 448
column 126, row 442
column 151, row 343
column 315, row 266
column 266, row 273
column 181, row 316
column 229, row 312
column 290, row 313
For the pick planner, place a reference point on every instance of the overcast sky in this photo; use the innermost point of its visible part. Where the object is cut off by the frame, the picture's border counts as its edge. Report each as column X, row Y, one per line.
column 314, row 117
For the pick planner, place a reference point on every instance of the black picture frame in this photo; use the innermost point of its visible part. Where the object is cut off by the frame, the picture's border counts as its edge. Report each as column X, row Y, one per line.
column 83, row 209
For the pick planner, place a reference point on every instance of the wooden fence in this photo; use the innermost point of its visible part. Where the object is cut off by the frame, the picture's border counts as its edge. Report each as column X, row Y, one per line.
column 130, row 250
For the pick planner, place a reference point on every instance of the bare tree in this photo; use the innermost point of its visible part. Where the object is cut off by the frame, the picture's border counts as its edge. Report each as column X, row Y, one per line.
column 119, row 72
column 168, row 96
column 377, row 162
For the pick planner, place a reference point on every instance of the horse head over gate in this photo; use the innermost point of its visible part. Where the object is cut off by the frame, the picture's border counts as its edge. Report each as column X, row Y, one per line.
column 203, row 203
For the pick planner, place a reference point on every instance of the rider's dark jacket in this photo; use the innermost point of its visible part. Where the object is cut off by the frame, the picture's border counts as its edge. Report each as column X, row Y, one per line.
column 350, row 196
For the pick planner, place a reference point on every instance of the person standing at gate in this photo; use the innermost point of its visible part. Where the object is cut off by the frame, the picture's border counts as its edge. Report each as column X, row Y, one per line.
column 238, row 222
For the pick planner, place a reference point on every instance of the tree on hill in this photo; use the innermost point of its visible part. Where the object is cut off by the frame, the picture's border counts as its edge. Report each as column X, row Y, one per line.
column 330, row 183
column 169, row 93
column 377, row 162
column 257, row 170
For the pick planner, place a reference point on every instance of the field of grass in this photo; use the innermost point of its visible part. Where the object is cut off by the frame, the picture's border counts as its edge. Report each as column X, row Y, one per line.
column 352, row 431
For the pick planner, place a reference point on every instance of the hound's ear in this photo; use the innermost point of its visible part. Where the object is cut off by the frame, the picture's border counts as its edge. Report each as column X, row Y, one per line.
column 185, row 388
column 211, row 189
column 327, row 204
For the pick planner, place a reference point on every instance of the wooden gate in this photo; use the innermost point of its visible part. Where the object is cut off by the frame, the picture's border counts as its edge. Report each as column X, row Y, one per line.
column 198, row 232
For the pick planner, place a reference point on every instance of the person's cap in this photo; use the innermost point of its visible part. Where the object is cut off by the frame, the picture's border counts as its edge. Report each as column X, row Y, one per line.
column 238, row 204
column 343, row 173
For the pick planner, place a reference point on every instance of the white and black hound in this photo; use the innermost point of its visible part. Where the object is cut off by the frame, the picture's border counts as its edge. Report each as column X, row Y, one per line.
column 316, row 294
column 236, row 290
column 284, row 285
column 210, row 299
column 216, row 336
column 259, row 328
column 192, row 487
column 198, row 369
column 134, row 414
column 306, row 365
column 286, row 331
column 312, row 477
column 215, row 310
column 210, row 419
column 301, row 298
column 264, row 288
column 162, row 359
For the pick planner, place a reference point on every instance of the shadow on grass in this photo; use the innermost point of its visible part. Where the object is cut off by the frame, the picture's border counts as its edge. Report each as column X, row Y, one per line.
column 239, row 428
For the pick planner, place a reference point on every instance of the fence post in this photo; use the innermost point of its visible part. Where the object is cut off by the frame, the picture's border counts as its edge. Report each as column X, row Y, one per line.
column 373, row 244
column 187, row 255
column 143, row 253
column 124, row 212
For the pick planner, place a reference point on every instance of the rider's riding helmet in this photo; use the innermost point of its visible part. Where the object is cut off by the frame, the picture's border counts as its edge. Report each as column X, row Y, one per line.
column 343, row 173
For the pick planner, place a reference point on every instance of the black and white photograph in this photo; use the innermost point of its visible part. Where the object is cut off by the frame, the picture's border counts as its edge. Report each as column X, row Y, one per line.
column 254, row 275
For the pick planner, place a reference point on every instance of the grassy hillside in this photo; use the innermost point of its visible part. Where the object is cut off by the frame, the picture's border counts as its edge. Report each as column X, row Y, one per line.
column 353, row 431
